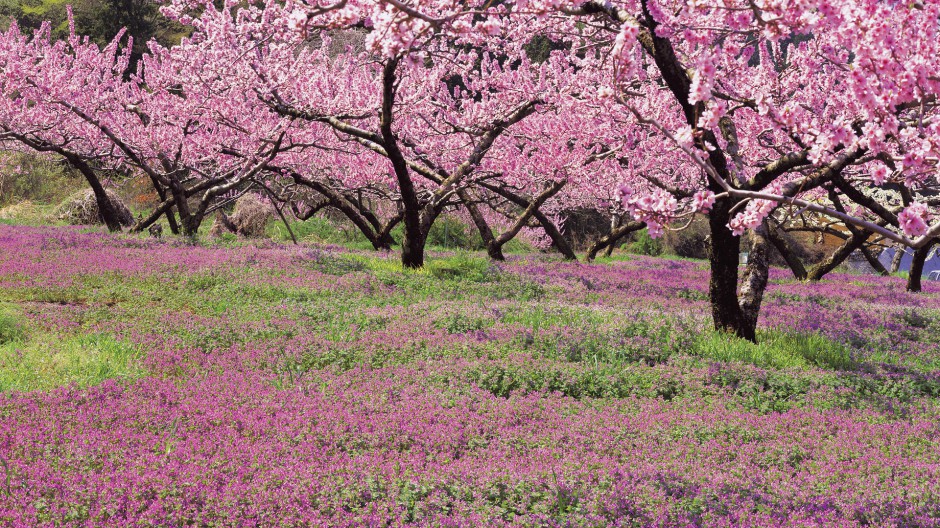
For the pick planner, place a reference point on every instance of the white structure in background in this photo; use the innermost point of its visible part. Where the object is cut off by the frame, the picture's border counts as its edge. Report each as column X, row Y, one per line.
column 931, row 265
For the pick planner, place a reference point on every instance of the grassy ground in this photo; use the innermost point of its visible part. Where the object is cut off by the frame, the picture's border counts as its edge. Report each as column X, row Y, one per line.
column 165, row 383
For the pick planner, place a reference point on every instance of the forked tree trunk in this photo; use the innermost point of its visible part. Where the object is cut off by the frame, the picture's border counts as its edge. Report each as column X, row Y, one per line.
column 611, row 239
column 778, row 239
column 854, row 242
column 874, row 262
column 493, row 250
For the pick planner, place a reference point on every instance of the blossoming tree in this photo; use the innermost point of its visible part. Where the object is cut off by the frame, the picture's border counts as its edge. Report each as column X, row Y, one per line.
column 771, row 105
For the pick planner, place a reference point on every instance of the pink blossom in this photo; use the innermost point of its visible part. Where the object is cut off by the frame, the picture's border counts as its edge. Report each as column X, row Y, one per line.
column 879, row 174
column 703, row 201
column 914, row 220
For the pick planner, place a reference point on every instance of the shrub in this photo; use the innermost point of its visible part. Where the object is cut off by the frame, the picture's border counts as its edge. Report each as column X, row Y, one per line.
column 691, row 242
column 451, row 232
column 777, row 350
column 644, row 244
column 29, row 177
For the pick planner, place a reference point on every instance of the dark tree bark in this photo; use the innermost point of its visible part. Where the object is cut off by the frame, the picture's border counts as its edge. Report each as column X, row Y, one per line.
column 779, row 241
column 413, row 242
column 558, row 241
column 854, row 242
column 496, row 245
column 874, row 262
column 723, row 258
column 367, row 226
column 106, row 210
column 493, row 250
column 170, row 217
column 611, row 239
column 914, row 280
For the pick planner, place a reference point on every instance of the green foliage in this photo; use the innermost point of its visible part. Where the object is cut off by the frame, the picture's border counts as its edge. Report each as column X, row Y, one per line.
column 504, row 380
column 48, row 361
column 449, row 232
column 776, row 349
column 99, row 19
column 462, row 267
column 644, row 244
column 10, row 327
column 322, row 230
column 37, row 179
column 458, row 323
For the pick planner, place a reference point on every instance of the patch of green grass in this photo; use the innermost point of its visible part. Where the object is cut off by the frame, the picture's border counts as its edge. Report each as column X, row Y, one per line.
column 777, row 349
column 504, row 380
column 11, row 329
column 462, row 267
column 45, row 362
column 322, row 230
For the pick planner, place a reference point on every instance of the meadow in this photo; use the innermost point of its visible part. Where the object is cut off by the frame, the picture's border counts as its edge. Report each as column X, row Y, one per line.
column 164, row 383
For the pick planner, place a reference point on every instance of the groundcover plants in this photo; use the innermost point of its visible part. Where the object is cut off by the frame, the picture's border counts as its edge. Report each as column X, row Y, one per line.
column 166, row 384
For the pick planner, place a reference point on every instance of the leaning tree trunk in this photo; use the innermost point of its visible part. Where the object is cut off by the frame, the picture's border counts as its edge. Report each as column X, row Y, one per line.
column 106, row 210
column 777, row 237
column 170, row 217
column 493, row 250
column 854, row 242
column 612, row 238
column 874, row 262
column 917, row 268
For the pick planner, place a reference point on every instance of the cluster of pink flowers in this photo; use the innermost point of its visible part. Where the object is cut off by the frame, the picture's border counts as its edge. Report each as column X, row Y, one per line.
column 752, row 216
column 914, row 220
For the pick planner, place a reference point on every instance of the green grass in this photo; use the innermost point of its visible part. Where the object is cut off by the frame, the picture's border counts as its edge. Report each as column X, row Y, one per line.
column 11, row 329
column 47, row 361
column 776, row 349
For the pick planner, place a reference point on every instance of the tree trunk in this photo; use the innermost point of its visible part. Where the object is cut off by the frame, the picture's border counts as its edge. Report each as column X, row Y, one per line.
column 874, row 262
column 106, row 210
column 413, row 242
column 896, row 260
column 170, row 217
column 610, row 239
column 778, row 239
column 755, row 280
column 724, row 254
column 494, row 250
column 558, row 240
column 917, row 268
column 838, row 256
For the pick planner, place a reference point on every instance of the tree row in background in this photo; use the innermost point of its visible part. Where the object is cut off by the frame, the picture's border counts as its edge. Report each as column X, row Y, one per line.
column 796, row 117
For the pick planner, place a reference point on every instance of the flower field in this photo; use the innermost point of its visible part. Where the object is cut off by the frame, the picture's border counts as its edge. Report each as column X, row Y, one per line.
column 155, row 383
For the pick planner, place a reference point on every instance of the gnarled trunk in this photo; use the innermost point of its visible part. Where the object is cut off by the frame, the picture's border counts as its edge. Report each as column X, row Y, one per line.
column 754, row 282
